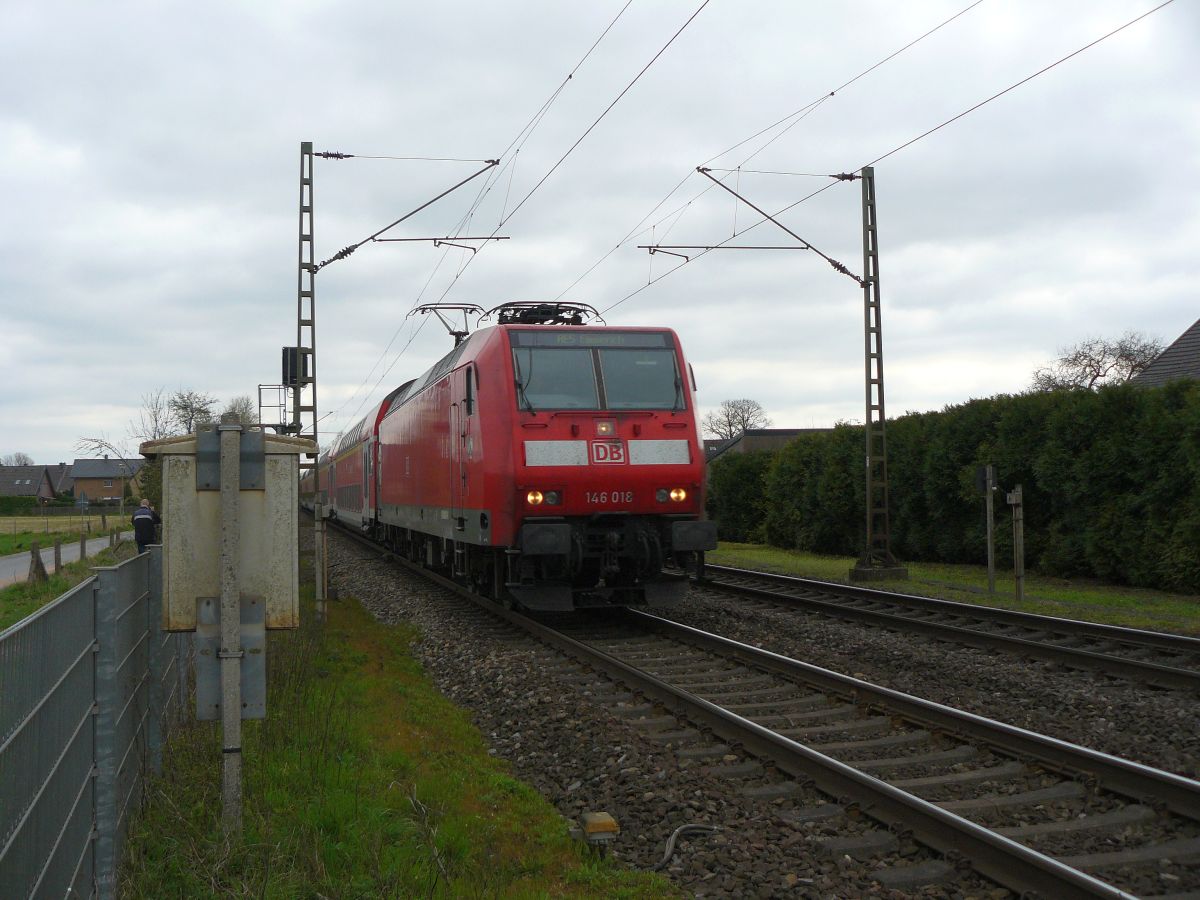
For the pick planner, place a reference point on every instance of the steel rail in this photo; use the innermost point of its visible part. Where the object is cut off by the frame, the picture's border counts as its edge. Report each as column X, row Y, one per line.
column 1180, row 794
column 1002, row 859
column 1153, row 673
column 1180, row 643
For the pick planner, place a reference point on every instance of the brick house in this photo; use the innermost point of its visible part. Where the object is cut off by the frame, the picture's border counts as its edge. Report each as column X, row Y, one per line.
column 60, row 478
column 98, row 480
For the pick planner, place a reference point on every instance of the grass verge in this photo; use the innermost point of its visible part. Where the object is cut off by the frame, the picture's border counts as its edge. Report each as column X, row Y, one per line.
column 22, row 599
column 363, row 782
column 93, row 523
column 23, row 540
column 1071, row 598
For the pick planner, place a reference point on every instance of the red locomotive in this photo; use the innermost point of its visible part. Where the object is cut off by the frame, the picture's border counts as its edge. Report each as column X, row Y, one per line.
column 551, row 465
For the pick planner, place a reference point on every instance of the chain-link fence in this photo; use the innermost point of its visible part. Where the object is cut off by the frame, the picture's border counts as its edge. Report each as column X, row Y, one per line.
column 89, row 687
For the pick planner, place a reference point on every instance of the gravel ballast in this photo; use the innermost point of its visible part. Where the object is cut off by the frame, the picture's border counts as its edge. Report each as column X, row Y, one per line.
column 587, row 745
column 1157, row 727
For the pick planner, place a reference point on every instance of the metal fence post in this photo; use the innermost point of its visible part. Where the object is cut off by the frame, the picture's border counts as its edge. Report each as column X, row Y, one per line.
column 105, row 734
column 1016, row 501
column 156, row 726
column 183, row 661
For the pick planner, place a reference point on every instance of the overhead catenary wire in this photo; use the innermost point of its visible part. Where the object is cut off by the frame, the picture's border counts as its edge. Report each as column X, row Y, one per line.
column 517, row 142
column 581, row 138
column 607, row 110
column 333, row 154
column 895, row 150
column 797, row 115
column 1016, row 85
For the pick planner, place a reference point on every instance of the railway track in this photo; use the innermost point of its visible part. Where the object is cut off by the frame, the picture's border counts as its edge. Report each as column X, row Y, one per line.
column 877, row 769
column 1163, row 660
column 1030, row 812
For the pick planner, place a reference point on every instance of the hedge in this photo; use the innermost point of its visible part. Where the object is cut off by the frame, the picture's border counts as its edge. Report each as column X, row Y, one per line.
column 1111, row 483
column 10, row 506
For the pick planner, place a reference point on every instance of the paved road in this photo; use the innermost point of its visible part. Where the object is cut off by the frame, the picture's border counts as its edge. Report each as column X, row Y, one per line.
column 16, row 567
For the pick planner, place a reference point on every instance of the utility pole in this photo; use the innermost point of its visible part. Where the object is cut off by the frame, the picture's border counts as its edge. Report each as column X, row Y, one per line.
column 876, row 561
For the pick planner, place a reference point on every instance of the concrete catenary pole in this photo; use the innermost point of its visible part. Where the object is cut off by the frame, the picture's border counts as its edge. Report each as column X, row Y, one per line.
column 231, row 619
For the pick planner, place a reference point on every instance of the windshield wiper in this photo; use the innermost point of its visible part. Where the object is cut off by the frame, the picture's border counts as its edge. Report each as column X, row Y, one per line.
column 519, row 381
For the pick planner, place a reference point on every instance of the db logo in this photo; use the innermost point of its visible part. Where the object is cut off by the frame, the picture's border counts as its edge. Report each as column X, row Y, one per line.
column 606, row 453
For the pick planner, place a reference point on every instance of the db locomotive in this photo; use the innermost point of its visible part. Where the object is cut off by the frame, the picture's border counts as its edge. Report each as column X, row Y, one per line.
column 546, row 463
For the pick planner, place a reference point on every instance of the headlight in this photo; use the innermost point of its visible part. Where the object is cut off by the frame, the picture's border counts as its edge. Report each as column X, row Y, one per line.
column 678, row 495
column 534, row 498
column 553, row 498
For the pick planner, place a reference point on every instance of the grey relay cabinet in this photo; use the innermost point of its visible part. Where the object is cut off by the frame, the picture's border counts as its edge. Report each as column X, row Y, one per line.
column 268, row 506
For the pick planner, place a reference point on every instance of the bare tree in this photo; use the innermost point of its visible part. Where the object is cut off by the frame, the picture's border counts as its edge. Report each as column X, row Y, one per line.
column 17, row 459
column 189, row 409
column 155, row 419
column 243, row 409
column 734, row 417
column 1098, row 361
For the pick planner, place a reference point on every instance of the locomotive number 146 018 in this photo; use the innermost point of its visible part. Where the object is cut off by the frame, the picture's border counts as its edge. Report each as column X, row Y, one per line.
column 609, row 497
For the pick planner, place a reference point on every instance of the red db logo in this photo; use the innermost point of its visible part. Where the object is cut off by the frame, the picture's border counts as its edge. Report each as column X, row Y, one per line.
column 605, row 453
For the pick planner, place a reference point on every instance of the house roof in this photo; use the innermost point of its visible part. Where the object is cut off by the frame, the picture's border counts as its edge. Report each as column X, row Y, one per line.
column 105, row 468
column 22, row 481
column 757, row 439
column 1180, row 360
column 60, row 477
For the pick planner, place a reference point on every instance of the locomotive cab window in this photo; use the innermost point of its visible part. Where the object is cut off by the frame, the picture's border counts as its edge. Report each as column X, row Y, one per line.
column 596, row 370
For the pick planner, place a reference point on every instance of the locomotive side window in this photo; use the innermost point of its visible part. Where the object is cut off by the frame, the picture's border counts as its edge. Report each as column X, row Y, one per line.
column 470, row 378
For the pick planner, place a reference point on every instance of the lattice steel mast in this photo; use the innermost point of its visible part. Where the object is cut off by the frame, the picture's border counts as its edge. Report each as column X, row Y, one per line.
column 877, row 559
column 303, row 380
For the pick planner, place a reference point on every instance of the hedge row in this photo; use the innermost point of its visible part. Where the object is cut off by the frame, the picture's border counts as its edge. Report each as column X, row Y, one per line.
column 10, row 506
column 1111, row 483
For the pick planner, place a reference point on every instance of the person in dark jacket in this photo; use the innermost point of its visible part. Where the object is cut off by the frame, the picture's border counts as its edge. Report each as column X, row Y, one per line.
column 144, row 520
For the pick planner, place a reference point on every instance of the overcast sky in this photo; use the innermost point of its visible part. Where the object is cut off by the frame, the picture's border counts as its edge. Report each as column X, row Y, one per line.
column 149, row 159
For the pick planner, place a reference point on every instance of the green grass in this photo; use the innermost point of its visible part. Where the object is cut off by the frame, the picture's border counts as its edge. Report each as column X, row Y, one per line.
column 1071, row 598
column 69, row 523
column 21, row 599
column 363, row 782
column 23, row 540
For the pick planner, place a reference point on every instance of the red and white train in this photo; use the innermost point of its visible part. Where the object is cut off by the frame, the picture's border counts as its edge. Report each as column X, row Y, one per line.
column 550, row 466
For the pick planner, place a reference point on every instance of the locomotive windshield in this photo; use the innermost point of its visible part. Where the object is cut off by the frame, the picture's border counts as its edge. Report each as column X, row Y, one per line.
column 596, row 370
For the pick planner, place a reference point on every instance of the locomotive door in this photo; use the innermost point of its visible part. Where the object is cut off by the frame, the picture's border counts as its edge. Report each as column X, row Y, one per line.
column 461, row 414
column 366, row 482
column 457, row 460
